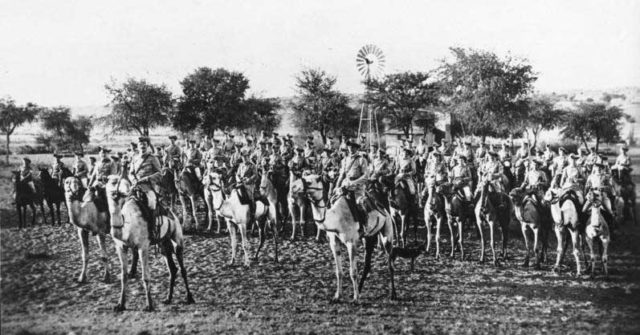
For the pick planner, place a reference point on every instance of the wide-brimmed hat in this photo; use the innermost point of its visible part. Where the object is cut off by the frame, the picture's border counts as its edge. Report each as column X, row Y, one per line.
column 353, row 144
column 299, row 149
column 463, row 158
column 143, row 139
column 173, row 137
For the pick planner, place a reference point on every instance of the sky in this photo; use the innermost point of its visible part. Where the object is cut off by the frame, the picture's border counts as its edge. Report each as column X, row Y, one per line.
column 64, row 52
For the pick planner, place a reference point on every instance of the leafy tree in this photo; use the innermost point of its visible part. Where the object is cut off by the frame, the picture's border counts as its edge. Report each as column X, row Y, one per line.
column 426, row 120
column 596, row 121
column 486, row 94
column 64, row 133
column 13, row 116
column 138, row 106
column 401, row 96
column 542, row 115
column 261, row 113
column 212, row 99
column 319, row 107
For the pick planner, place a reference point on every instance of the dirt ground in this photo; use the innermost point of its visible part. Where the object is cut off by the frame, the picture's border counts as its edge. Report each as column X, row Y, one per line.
column 39, row 294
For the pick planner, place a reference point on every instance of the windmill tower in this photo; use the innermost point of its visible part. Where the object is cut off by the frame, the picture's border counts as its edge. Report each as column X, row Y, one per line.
column 370, row 63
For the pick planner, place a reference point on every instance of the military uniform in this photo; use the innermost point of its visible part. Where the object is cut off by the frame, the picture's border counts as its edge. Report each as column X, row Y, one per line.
column 193, row 158
column 103, row 169
column 406, row 170
column 81, row 171
column 26, row 176
column 380, row 167
column 297, row 165
column 599, row 183
column 353, row 174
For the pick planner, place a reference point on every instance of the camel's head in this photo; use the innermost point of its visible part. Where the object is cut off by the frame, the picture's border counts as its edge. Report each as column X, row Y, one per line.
column 551, row 195
column 312, row 187
column 72, row 185
column 117, row 187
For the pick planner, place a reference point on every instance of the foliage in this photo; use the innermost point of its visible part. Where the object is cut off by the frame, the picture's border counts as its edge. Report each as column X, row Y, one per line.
column 63, row 132
column 137, row 105
column 401, row 96
column 485, row 94
column 319, row 107
column 261, row 114
column 542, row 115
column 212, row 100
column 594, row 121
column 426, row 119
column 12, row 116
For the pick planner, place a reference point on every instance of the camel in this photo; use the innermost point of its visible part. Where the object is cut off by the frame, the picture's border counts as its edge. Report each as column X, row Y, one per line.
column 24, row 196
column 190, row 187
column 214, row 197
column 457, row 203
column 84, row 214
column 434, row 210
column 129, row 229
column 296, row 199
column 492, row 208
column 402, row 205
column 565, row 213
column 237, row 217
column 340, row 225
column 167, row 187
column 532, row 217
column 597, row 227
column 53, row 194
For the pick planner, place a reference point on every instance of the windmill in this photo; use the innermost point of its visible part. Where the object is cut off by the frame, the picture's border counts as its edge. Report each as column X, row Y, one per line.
column 370, row 63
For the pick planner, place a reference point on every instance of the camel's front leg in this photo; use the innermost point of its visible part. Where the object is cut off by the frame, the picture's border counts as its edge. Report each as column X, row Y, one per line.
column 292, row 212
column 427, row 222
column 438, row 227
column 353, row 268
column 336, row 257
column 194, row 208
column 302, row 221
column 210, row 212
column 231, row 226
column 403, row 231
column 84, row 243
column 143, row 252
column 560, row 250
column 171, row 266
column 479, row 223
column 523, row 227
column 33, row 212
column 183, row 201
column 492, row 229
column 460, row 239
column 122, row 255
column 243, row 235
column 575, row 239
column 275, row 238
column 593, row 257
column 453, row 235
column 537, row 247
column 105, row 259
column 605, row 256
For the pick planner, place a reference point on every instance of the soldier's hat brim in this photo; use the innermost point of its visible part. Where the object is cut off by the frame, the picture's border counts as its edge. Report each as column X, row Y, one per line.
column 173, row 137
column 353, row 144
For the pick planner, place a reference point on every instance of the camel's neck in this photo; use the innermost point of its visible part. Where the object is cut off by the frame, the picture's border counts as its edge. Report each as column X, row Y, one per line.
column 319, row 210
column 74, row 207
column 595, row 216
column 115, row 213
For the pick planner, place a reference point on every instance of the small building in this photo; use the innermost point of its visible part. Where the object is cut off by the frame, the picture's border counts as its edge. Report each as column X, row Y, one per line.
column 392, row 137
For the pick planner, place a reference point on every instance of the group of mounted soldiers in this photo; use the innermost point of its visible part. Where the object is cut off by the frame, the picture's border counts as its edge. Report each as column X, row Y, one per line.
column 351, row 164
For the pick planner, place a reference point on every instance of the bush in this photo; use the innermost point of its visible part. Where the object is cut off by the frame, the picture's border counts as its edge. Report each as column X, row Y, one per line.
column 29, row 150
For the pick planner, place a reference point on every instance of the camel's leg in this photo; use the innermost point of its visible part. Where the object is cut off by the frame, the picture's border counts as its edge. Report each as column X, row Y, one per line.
column 219, row 220
column 293, row 220
column 575, row 238
column 104, row 258
column 234, row 240
column 388, row 247
column 275, row 238
column 262, row 235
column 302, row 221
column 605, row 256
column 353, row 267
column 53, row 213
column 560, row 250
column 369, row 245
column 171, row 266
column 210, row 212
column 537, row 247
column 593, row 257
column 243, row 235
column 427, row 222
column 505, row 237
column 523, row 227
column 20, row 219
column 183, row 201
column 44, row 214
column 492, row 230
column 479, row 223
column 460, row 240
column 414, row 219
column 143, row 253
column 194, row 208
column 133, row 272
column 33, row 211
column 438, row 227
column 84, row 243
column 183, row 271
column 453, row 234
column 335, row 250
column 122, row 255
column 403, row 231
column 58, row 212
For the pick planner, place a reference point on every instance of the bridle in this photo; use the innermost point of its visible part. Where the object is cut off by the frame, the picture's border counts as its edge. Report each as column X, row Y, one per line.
column 318, row 203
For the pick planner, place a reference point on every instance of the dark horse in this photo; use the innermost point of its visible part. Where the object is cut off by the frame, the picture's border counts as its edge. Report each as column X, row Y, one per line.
column 53, row 193
column 24, row 196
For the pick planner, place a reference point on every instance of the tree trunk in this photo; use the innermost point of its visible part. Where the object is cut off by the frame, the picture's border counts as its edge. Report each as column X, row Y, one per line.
column 597, row 143
column 323, row 135
column 7, row 157
column 584, row 141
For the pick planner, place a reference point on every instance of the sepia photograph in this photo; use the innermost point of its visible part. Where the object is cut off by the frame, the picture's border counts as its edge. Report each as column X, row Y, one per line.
column 319, row 167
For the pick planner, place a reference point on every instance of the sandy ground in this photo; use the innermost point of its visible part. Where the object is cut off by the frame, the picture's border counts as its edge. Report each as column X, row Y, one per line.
column 39, row 294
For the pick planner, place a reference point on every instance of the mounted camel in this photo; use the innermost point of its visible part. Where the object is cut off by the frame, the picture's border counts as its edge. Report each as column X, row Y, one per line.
column 459, row 202
column 566, row 204
column 493, row 206
column 435, row 206
column 624, row 186
column 138, row 221
column 187, row 181
column 89, row 213
column 53, row 193
column 532, row 213
column 27, row 192
column 597, row 228
column 402, row 195
column 240, row 209
column 296, row 199
column 213, row 181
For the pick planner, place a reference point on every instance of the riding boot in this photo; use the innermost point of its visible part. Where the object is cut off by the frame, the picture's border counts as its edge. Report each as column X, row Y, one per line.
column 362, row 219
column 151, row 225
column 252, row 210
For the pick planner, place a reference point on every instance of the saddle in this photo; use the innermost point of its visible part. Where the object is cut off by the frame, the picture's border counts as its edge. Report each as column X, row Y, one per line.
column 361, row 213
column 100, row 199
column 153, row 218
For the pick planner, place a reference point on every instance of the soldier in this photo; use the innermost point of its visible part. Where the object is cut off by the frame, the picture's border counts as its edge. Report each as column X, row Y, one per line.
column 481, row 154
column 592, row 158
column 548, row 155
column 421, row 148
column 228, row 142
column 352, row 178
column 557, row 166
column 211, row 153
column 522, row 154
column 572, row 178
column 329, row 145
column 236, row 158
column 256, row 156
column 249, row 145
column 406, row 170
column 435, row 173
column 145, row 173
column 103, row 169
column 92, row 165
column 25, row 174
column 192, row 159
column 461, row 177
column 493, row 171
column 505, row 153
column 117, row 166
column 80, row 169
column 599, row 186
column 380, row 166
column 205, row 144
column 173, row 154
column 310, row 155
column 297, row 164
column 535, row 181
column 57, row 166
column 343, row 143
column 246, row 177
column 623, row 162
